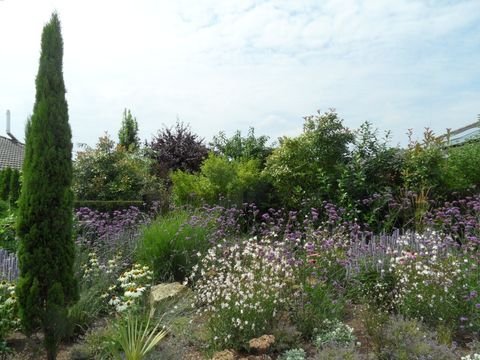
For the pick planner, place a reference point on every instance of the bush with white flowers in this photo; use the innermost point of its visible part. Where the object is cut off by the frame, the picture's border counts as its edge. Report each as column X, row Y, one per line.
column 243, row 287
column 335, row 333
column 129, row 288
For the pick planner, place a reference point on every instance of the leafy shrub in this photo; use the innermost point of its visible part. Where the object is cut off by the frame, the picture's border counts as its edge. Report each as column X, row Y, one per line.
column 5, row 175
column 130, row 288
column 220, row 180
column 408, row 340
column 307, row 167
column 4, row 208
column 176, row 148
column 108, row 206
column 169, row 244
column 372, row 168
column 334, row 352
column 293, row 354
column 424, row 163
column 9, row 320
column 97, row 345
column 96, row 278
column 7, row 233
column 108, row 172
column 243, row 287
column 334, row 333
column 375, row 287
column 462, row 168
column 314, row 305
column 242, row 148
column 87, row 309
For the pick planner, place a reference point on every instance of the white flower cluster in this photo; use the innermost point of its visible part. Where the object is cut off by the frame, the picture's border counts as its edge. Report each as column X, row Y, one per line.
column 337, row 333
column 130, row 286
column 471, row 357
column 427, row 275
column 92, row 268
column 243, row 285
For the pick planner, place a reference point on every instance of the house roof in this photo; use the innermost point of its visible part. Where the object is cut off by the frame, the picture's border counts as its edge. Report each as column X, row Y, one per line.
column 11, row 153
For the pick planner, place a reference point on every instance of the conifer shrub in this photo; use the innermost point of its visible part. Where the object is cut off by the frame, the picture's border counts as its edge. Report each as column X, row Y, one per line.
column 47, row 285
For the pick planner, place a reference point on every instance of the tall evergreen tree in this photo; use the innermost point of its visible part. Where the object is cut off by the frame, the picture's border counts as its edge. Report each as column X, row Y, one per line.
column 5, row 176
column 128, row 134
column 14, row 188
column 46, row 253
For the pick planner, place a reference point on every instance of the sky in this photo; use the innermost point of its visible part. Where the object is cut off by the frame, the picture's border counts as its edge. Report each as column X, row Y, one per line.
column 224, row 65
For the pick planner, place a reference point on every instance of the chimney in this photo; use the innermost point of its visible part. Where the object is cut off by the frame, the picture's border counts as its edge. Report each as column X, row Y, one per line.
column 8, row 121
column 8, row 127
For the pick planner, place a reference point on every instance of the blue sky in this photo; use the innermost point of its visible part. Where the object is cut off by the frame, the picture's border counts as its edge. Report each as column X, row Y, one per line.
column 227, row 65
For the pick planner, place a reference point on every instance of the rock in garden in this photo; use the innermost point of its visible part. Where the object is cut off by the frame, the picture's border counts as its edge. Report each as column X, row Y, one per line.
column 224, row 355
column 262, row 344
column 161, row 292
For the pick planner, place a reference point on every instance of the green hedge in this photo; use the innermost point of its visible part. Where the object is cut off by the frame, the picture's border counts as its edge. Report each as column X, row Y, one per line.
column 111, row 205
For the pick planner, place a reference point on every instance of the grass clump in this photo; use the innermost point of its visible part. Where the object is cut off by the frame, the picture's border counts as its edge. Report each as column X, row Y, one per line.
column 169, row 245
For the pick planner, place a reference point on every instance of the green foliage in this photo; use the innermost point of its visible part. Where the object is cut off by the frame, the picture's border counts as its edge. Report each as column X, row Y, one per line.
column 294, row 354
column 433, row 290
column 98, row 344
column 244, row 288
column 128, row 134
column 109, row 205
column 9, row 321
column 7, row 233
column 408, row 340
column 94, row 284
column 374, row 287
column 5, row 176
column 424, row 164
column 46, row 252
column 15, row 188
column 169, row 246
column 111, row 173
column 334, row 333
column 307, row 167
column 4, row 208
column 336, row 352
column 10, row 186
column 317, row 304
column 372, row 168
column 176, row 148
column 462, row 168
column 242, row 148
column 136, row 336
column 221, row 180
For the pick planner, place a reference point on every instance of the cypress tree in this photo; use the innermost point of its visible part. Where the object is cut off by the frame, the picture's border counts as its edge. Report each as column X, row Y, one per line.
column 14, row 188
column 46, row 251
column 5, row 183
column 128, row 134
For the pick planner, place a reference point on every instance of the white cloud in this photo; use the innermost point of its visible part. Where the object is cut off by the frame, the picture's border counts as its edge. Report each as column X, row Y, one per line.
column 227, row 65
